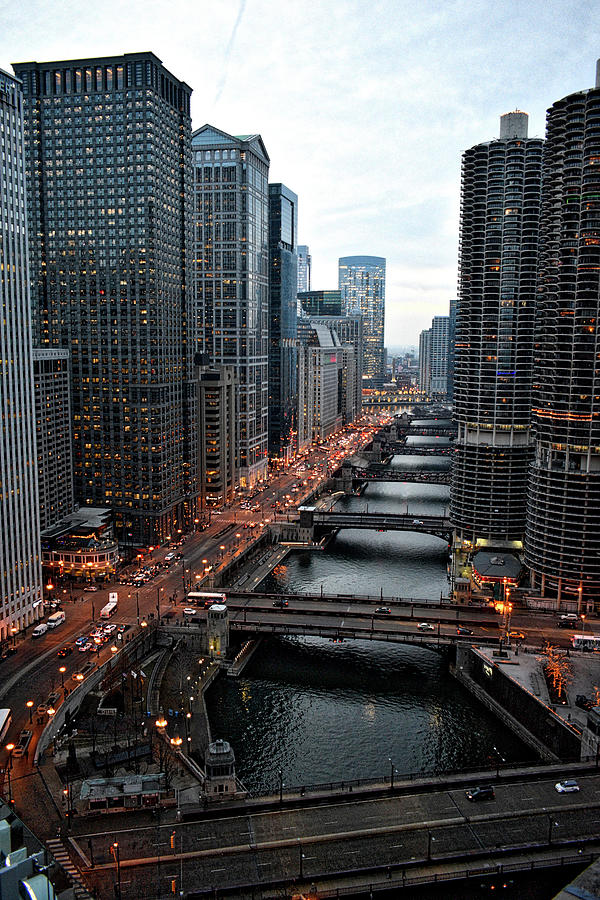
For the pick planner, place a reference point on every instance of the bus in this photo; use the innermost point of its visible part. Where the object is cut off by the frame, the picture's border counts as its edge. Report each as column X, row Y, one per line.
column 205, row 599
column 5, row 720
column 111, row 607
column 586, row 642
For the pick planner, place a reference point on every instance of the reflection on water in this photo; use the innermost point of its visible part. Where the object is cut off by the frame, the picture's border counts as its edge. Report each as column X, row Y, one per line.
column 323, row 711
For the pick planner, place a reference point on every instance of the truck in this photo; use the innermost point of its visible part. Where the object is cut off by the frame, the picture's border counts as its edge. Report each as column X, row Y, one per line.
column 56, row 619
column 39, row 630
column 111, row 607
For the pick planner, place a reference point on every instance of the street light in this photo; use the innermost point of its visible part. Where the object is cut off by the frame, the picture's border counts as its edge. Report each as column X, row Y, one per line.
column 161, row 722
column 117, row 857
column 29, row 706
column 62, row 671
column 158, row 590
column 10, row 748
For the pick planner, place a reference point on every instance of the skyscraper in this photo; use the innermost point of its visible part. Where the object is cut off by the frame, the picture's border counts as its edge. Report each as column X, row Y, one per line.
column 362, row 283
column 109, row 177
column 451, row 346
column 232, row 254
column 562, row 546
column 500, row 209
column 20, row 569
column 283, row 316
column 304, row 266
column 425, row 361
column 321, row 303
column 439, row 355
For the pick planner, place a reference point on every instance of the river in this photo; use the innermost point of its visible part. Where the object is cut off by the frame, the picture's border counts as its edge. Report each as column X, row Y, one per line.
column 321, row 711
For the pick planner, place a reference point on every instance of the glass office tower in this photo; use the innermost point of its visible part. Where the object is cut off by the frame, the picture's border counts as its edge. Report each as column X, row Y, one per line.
column 362, row 283
column 500, row 210
column 232, row 255
column 20, row 569
column 562, row 548
column 108, row 148
column 283, row 322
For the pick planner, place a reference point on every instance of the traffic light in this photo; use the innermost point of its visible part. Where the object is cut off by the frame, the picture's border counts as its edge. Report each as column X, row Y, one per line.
column 172, row 840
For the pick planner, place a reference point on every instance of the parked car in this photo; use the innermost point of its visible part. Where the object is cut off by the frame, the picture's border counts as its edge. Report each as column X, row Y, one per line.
column 568, row 786
column 384, row 610
column 481, row 792
column 425, row 626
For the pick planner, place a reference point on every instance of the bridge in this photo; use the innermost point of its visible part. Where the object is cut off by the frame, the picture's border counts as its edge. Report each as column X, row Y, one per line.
column 392, row 832
column 387, row 474
column 331, row 520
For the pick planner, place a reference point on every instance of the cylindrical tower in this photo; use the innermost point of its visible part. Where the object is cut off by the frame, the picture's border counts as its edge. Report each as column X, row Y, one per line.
column 500, row 208
column 562, row 546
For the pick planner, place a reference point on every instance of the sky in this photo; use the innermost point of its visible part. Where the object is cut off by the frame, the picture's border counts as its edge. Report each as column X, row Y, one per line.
column 364, row 106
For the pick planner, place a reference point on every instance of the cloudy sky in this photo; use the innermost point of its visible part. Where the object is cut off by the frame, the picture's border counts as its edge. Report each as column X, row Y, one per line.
column 365, row 106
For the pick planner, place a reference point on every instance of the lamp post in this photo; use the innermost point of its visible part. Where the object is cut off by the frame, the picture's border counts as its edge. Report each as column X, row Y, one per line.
column 391, row 774
column 115, row 852
column 10, row 748
column 158, row 590
column 280, row 786
column 29, row 706
column 62, row 671
column 137, row 605
column 579, row 598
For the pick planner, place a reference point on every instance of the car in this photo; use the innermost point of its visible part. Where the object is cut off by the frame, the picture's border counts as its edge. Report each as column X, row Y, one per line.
column 417, row 522
column 65, row 651
column 568, row 786
column 460, row 629
column 517, row 635
column 169, row 557
column 189, row 611
column 481, row 792
column 384, row 610
column 122, row 628
column 42, row 709
column 425, row 626
column 91, row 587
column 281, row 603
column 81, row 640
column 108, row 629
column 83, row 648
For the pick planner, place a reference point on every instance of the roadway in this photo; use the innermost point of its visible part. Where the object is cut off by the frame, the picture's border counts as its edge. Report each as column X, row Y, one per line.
column 401, row 829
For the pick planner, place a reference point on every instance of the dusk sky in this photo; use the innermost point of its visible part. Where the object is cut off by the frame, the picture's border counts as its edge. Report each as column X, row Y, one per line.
column 365, row 108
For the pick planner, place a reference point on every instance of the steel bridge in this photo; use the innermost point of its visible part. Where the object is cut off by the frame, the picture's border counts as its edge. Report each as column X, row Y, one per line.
column 324, row 521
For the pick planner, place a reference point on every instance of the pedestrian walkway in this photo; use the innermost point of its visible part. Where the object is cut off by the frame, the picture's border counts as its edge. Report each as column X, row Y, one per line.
column 59, row 852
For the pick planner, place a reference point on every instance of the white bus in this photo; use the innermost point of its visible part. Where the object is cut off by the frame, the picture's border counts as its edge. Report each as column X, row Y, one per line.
column 204, row 598
column 586, row 642
column 111, row 607
column 5, row 720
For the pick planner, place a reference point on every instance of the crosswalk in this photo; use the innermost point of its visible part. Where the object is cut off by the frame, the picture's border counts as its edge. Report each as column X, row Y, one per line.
column 60, row 854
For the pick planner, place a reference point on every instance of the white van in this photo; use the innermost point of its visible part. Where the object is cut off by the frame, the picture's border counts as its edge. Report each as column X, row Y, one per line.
column 56, row 619
column 39, row 630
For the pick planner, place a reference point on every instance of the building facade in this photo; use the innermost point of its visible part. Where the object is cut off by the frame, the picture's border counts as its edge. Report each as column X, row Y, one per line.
column 321, row 303
column 562, row 548
column 499, row 228
column 283, row 316
column 425, row 360
column 440, row 326
column 362, row 283
column 108, row 149
column 349, row 330
column 53, row 422
column 304, row 267
column 217, row 440
column 20, row 569
column 231, row 205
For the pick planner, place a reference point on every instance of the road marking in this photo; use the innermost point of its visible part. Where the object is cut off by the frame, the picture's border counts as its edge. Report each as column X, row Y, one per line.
column 395, row 846
column 334, row 822
column 217, row 870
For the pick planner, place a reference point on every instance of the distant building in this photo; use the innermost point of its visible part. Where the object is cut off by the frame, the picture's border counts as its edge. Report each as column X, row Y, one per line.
column 20, row 570
column 283, row 314
column 451, row 347
column 52, row 380
column 304, row 266
column 109, row 180
column 325, row 393
column 81, row 546
column 439, row 356
column 494, row 345
column 232, row 278
column 362, row 284
column 321, row 303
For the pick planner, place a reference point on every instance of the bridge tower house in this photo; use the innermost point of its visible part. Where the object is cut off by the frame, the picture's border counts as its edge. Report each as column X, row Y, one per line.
column 219, row 765
column 217, row 630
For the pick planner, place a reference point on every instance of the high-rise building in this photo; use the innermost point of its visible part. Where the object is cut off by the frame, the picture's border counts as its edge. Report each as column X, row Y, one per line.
column 362, row 283
column 349, row 330
column 439, row 355
column 52, row 380
column 500, row 210
column 20, row 568
column 283, row 316
column 232, row 255
column 217, row 419
column 321, row 392
column 321, row 303
column 562, row 548
column 304, row 266
column 451, row 351
column 109, row 176
column 425, row 361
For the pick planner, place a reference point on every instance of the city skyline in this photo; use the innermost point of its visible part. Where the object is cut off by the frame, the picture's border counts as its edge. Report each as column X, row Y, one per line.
column 394, row 193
